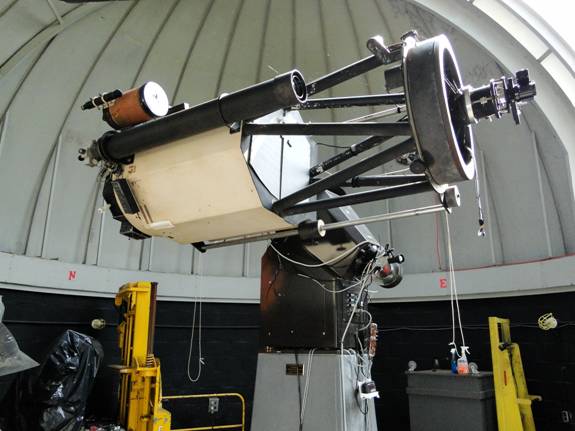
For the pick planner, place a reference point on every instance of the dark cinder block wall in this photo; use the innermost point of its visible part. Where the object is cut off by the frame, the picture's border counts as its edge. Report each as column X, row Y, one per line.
column 422, row 331
column 409, row 331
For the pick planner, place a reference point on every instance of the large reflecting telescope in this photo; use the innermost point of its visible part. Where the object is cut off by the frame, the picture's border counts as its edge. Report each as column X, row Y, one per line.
column 241, row 167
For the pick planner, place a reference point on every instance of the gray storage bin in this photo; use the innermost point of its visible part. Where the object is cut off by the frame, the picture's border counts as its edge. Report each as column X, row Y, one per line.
column 441, row 400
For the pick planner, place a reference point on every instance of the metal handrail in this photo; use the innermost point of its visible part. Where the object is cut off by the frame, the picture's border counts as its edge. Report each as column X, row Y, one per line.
column 221, row 395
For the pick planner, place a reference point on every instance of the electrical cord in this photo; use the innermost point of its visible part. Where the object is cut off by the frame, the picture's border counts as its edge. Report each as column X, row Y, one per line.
column 368, row 324
column 307, row 384
column 341, row 147
column 481, row 218
column 342, row 382
column 299, row 390
column 366, row 274
column 318, row 265
column 467, row 327
column 325, row 288
column 358, row 401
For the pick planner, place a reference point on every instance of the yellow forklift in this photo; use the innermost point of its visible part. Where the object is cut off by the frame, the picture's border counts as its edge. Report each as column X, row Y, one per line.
column 141, row 380
column 140, row 400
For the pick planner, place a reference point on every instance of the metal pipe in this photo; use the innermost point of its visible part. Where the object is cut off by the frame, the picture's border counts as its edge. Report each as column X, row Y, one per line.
column 243, row 240
column 352, row 70
column 211, row 427
column 346, row 102
column 331, row 129
column 331, row 226
column 250, row 238
column 341, row 75
column 398, row 109
column 338, row 178
column 383, row 180
column 214, row 395
column 280, row 92
column 354, row 150
column 385, row 217
column 359, row 198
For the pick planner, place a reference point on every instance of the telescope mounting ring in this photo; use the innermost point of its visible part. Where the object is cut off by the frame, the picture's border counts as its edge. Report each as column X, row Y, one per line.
column 443, row 136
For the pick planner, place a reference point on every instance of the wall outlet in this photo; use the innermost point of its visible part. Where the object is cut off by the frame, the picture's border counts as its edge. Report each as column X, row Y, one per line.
column 566, row 416
column 213, row 405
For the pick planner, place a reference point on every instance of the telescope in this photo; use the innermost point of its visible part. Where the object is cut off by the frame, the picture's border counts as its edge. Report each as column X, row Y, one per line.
column 240, row 167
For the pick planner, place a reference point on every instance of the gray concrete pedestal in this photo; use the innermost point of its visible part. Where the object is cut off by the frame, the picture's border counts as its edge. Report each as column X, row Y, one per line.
column 332, row 384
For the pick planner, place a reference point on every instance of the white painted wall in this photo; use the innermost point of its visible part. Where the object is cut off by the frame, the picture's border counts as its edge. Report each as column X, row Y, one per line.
column 42, row 275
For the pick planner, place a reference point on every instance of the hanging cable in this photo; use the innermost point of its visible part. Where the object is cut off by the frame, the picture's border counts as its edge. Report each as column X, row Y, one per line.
column 481, row 218
column 307, row 383
column 335, row 259
column 365, row 275
column 320, row 284
column 200, row 359
column 368, row 323
column 453, row 288
column 299, row 390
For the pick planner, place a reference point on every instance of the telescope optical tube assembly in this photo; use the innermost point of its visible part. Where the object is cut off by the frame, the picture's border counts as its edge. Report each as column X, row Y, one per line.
column 281, row 92
column 241, row 167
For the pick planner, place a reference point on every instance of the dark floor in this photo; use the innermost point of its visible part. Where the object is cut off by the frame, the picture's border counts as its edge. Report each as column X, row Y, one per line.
column 409, row 331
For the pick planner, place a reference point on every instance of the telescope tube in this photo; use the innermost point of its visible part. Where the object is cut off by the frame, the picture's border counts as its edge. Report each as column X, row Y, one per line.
column 260, row 99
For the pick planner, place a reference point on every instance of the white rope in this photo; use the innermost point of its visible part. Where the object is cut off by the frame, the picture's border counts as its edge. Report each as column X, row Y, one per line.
column 453, row 289
column 200, row 359
column 370, row 319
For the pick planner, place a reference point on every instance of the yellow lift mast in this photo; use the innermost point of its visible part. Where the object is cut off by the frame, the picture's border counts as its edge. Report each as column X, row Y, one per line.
column 141, row 382
column 512, row 400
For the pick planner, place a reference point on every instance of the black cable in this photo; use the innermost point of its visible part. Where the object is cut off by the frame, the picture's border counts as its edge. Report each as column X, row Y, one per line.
column 361, row 348
column 358, row 393
column 468, row 327
column 333, row 146
column 113, row 324
column 299, row 389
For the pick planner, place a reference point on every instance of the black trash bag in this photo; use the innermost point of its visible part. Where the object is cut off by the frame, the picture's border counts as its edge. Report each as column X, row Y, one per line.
column 54, row 397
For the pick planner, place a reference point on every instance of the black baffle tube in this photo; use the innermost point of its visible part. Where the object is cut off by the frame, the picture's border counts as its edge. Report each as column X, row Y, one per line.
column 331, row 129
column 346, row 102
column 383, row 180
column 281, row 92
column 340, row 177
column 360, row 197
column 352, row 151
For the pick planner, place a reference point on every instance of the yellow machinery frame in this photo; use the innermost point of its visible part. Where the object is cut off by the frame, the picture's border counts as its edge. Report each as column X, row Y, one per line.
column 511, row 396
column 141, row 382
column 215, row 427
